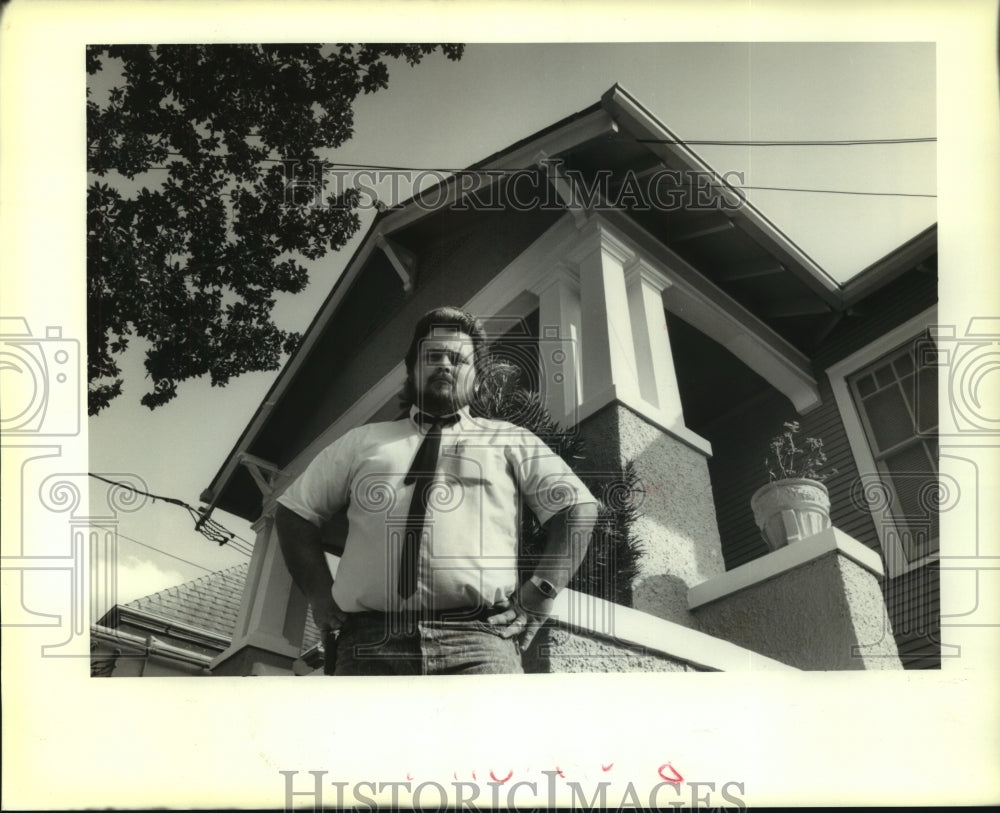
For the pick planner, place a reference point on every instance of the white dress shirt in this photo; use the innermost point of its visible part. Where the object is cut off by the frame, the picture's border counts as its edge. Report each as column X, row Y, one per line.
column 468, row 555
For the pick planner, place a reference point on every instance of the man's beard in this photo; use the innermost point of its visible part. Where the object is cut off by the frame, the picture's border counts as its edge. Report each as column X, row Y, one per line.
column 437, row 402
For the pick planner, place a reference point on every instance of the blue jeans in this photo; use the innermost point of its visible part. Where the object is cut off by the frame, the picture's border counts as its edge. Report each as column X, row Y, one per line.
column 384, row 644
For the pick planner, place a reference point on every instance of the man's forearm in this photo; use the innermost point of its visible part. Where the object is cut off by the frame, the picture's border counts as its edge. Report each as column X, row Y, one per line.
column 568, row 536
column 303, row 554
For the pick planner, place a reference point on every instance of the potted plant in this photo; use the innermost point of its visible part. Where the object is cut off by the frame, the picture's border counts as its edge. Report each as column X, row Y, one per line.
column 795, row 504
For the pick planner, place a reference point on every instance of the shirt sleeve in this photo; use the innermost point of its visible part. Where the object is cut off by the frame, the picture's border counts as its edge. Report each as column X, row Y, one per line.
column 324, row 487
column 546, row 483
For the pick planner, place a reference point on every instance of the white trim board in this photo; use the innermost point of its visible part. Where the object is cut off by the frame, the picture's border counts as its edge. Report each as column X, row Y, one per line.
column 784, row 560
column 706, row 307
column 858, row 440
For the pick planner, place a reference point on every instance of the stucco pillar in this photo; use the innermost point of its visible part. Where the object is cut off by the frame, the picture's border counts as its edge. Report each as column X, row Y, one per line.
column 559, row 321
column 631, row 411
column 272, row 614
column 813, row 604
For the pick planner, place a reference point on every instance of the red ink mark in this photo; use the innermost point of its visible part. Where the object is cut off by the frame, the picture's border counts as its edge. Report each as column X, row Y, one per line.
column 454, row 775
column 408, row 777
column 607, row 768
column 559, row 772
column 474, row 776
column 677, row 777
column 501, row 781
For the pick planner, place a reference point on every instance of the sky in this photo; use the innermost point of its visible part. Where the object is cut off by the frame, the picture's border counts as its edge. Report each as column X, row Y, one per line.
column 443, row 114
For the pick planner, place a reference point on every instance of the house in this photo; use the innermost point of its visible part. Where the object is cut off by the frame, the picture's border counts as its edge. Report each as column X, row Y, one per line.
column 177, row 631
column 673, row 325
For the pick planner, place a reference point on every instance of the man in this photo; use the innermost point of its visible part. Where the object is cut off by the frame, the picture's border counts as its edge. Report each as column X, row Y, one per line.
column 427, row 583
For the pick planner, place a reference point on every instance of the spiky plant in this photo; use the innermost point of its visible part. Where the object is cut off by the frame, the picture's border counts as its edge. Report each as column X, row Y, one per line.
column 612, row 559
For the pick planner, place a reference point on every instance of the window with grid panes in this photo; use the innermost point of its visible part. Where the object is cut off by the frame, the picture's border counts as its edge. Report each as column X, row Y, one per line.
column 897, row 403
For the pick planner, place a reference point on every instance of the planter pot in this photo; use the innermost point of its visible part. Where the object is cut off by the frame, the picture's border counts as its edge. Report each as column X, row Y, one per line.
column 789, row 510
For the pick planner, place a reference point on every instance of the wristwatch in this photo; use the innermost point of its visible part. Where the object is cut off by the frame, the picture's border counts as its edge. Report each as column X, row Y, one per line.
column 547, row 588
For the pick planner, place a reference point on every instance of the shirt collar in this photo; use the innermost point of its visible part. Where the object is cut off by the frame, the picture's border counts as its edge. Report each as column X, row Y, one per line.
column 463, row 415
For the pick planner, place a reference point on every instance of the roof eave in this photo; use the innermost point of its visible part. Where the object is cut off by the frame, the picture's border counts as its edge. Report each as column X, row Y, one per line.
column 630, row 115
column 166, row 626
column 897, row 262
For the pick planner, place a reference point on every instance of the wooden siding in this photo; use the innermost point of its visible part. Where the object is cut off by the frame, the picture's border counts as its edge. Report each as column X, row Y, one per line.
column 914, row 604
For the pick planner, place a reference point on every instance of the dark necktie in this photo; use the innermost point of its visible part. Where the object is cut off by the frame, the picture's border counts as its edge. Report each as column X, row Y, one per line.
column 421, row 475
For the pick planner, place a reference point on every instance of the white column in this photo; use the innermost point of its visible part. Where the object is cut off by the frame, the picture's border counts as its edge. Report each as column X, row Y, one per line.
column 655, row 361
column 625, row 354
column 608, row 363
column 559, row 342
column 272, row 613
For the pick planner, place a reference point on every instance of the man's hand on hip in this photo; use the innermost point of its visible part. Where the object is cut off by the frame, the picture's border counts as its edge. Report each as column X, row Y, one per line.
column 326, row 614
column 523, row 614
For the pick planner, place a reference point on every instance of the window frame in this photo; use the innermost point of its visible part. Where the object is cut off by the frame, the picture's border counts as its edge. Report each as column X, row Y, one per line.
column 838, row 375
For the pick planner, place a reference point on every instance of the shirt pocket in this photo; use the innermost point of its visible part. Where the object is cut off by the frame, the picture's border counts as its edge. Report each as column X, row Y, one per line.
column 481, row 466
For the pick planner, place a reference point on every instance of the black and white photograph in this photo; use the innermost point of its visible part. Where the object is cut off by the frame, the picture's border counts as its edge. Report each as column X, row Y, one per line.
column 540, row 417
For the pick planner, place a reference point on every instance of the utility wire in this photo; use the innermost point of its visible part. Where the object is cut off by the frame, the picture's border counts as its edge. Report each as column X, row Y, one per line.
column 847, row 142
column 735, row 187
column 500, row 172
column 833, row 191
column 206, row 526
column 159, row 550
column 771, row 142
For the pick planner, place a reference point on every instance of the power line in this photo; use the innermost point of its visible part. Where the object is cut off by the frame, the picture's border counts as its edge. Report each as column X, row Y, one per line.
column 503, row 172
column 770, row 142
column 158, row 550
column 698, row 142
column 835, row 191
column 207, row 527
column 847, row 142
column 735, row 187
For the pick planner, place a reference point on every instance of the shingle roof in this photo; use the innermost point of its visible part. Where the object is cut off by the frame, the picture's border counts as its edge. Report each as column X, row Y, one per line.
column 210, row 603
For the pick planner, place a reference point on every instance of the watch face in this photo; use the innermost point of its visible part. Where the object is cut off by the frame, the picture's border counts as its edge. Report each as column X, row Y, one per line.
column 547, row 588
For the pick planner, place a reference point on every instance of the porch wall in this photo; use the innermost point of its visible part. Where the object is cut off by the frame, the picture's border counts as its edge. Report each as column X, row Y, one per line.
column 815, row 604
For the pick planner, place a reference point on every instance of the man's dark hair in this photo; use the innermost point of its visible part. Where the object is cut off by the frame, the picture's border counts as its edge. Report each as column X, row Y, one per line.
column 447, row 318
